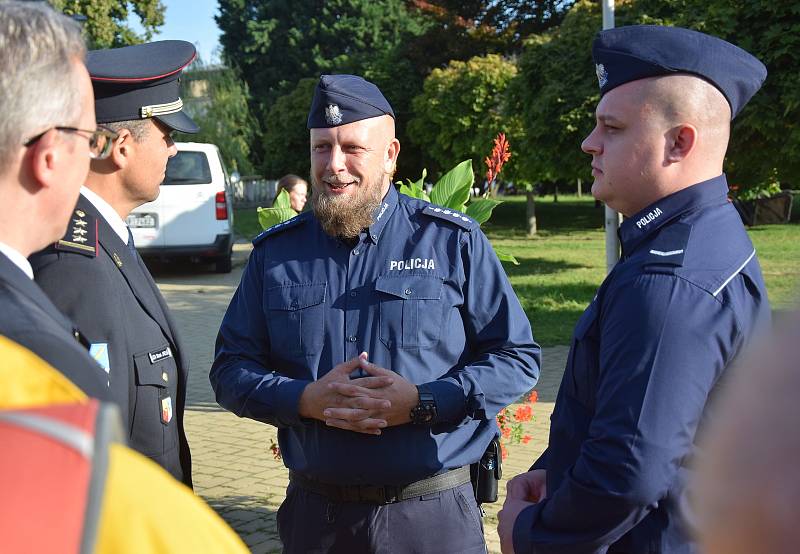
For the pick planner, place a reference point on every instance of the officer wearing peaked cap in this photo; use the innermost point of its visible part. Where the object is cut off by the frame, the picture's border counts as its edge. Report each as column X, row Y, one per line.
column 380, row 335
column 113, row 296
column 684, row 300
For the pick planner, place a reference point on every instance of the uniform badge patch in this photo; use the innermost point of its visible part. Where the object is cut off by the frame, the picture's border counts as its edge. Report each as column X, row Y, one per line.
column 99, row 352
column 161, row 354
column 333, row 115
column 166, row 410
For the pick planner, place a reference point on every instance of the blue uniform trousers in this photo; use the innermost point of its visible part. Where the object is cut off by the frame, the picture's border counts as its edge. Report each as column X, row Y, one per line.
column 443, row 522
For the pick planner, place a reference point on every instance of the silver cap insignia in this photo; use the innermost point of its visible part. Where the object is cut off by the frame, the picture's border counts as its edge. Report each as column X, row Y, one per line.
column 602, row 74
column 333, row 115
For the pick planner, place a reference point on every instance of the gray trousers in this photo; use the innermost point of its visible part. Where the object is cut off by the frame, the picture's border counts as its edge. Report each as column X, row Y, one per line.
column 438, row 523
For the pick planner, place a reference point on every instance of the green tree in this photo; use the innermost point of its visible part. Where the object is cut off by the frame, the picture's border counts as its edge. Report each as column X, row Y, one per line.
column 276, row 43
column 217, row 99
column 556, row 89
column 285, row 137
column 555, row 94
column 106, row 20
column 461, row 110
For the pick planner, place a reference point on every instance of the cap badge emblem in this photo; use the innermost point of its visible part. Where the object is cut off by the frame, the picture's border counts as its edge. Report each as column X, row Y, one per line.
column 333, row 115
column 602, row 74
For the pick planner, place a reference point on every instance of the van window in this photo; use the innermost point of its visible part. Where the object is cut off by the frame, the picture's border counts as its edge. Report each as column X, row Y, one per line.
column 188, row 168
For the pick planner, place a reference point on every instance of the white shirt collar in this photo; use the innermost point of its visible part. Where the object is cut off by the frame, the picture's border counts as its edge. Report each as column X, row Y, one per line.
column 17, row 259
column 109, row 214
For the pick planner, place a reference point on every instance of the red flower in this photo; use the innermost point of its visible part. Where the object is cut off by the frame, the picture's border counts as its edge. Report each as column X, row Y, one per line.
column 526, row 439
column 533, row 397
column 524, row 413
column 500, row 155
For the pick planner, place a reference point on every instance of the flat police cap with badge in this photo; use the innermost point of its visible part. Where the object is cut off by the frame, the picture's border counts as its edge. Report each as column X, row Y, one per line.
column 141, row 82
column 636, row 52
column 342, row 99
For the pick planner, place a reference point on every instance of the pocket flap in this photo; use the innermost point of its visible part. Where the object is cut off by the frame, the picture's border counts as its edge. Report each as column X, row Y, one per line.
column 295, row 297
column 152, row 368
column 413, row 287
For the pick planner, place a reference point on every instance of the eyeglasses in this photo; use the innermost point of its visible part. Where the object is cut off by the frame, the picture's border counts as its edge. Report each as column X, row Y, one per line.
column 100, row 140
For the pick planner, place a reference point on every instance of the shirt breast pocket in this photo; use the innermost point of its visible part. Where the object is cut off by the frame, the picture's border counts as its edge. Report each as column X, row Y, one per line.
column 410, row 310
column 296, row 318
column 153, row 429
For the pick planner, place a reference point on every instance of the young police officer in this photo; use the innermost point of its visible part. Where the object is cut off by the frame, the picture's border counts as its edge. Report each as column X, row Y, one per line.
column 379, row 462
column 682, row 302
column 94, row 273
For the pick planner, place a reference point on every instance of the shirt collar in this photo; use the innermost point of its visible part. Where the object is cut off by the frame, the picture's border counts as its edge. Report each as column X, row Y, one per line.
column 382, row 214
column 17, row 259
column 109, row 214
column 647, row 221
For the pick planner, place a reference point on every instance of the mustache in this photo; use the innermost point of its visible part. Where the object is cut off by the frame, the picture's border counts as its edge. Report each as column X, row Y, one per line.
column 340, row 180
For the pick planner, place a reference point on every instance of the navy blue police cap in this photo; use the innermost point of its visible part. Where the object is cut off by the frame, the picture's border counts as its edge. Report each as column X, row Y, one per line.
column 342, row 99
column 635, row 52
column 140, row 82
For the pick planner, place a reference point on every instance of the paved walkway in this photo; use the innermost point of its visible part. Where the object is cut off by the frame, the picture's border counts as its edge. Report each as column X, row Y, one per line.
column 233, row 469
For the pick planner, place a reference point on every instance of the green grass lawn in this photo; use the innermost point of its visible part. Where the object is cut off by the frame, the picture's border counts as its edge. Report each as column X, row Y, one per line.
column 561, row 268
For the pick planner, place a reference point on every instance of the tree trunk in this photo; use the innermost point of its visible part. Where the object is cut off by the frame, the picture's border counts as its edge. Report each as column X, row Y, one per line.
column 530, row 212
column 555, row 193
column 580, row 187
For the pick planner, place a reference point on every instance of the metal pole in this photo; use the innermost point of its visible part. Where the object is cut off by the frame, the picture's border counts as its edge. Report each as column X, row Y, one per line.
column 612, row 218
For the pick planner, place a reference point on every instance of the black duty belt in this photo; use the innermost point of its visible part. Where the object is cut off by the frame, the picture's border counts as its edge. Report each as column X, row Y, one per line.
column 383, row 494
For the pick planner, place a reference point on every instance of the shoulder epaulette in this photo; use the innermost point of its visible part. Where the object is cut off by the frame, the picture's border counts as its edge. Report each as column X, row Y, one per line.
column 453, row 216
column 275, row 229
column 81, row 237
column 669, row 247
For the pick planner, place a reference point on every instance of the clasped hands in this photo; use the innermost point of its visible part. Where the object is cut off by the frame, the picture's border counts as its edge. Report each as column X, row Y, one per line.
column 364, row 405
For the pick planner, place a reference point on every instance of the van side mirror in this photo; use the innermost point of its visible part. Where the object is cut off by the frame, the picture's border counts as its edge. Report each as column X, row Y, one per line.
column 235, row 177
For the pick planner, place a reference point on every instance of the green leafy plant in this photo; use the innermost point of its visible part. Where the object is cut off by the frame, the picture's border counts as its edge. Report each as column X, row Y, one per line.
column 453, row 188
column 280, row 211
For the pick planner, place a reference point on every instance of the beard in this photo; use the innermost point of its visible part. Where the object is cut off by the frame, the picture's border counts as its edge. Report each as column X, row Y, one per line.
column 347, row 215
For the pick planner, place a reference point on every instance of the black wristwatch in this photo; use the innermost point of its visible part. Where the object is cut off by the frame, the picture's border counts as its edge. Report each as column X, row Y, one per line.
column 425, row 412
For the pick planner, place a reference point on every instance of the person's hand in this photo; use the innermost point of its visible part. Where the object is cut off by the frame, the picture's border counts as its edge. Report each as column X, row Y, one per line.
column 505, row 522
column 401, row 395
column 530, row 486
column 321, row 395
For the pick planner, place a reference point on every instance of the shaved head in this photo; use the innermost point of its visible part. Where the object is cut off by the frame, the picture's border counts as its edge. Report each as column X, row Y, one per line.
column 686, row 99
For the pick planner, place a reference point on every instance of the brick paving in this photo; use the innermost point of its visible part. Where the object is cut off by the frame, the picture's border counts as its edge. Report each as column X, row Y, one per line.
column 233, row 469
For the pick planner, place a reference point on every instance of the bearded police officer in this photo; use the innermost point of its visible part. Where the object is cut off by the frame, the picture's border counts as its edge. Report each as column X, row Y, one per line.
column 380, row 334
column 685, row 298
column 94, row 273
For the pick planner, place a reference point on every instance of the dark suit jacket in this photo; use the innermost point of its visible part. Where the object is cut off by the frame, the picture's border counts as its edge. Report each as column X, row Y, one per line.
column 116, row 302
column 30, row 319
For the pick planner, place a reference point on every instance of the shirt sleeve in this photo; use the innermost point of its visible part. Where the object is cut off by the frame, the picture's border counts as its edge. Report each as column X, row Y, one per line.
column 663, row 344
column 239, row 375
column 505, row 359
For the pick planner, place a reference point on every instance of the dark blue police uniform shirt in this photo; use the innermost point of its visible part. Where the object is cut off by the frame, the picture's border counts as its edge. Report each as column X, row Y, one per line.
column 422, row 292
column 645, row 356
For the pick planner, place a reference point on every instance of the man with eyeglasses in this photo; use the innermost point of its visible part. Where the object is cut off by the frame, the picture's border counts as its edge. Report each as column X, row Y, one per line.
column 94, row 273
column 46, row 100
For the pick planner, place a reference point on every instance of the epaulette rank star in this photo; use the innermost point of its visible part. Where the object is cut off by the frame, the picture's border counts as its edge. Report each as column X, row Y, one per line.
column 281, row 227
column 81, row 235
column 453, row 216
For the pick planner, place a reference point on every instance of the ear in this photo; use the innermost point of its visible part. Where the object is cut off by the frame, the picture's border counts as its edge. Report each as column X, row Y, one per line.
column 45, row 159
column 122, row 149
column 390, row 159
column 681, row 140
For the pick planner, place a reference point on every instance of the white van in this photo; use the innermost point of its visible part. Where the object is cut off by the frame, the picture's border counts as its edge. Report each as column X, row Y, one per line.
column 193, row 215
